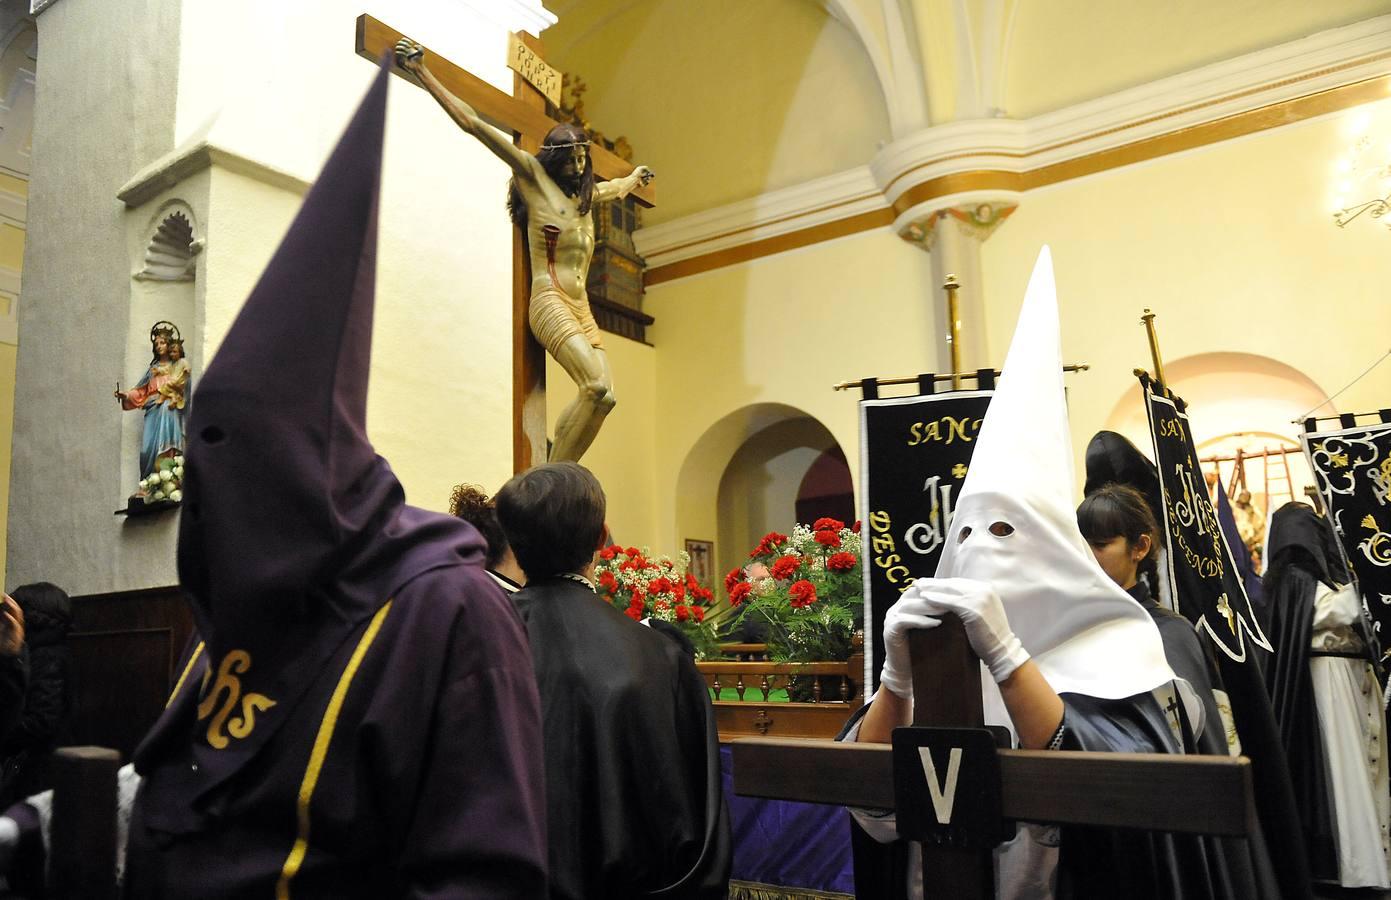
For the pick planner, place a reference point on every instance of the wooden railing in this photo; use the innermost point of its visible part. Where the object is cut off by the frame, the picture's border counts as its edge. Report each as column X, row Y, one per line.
column 833, row 692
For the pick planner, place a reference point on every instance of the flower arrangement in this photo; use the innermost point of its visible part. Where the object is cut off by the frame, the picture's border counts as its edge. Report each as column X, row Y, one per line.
column 657, row 587
column 165, row 483
column 807, row 586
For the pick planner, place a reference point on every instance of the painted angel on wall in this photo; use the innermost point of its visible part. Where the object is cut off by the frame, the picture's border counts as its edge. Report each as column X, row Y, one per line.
column 162, row 393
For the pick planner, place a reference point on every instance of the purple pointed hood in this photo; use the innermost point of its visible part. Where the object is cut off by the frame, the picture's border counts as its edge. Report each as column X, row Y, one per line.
column 294, row 531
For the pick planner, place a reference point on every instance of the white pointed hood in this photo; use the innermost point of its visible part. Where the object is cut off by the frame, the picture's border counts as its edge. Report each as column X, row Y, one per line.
column 1086, row 634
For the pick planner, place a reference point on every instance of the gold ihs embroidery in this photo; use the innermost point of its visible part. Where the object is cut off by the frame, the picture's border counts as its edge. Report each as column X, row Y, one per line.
column 236, row 662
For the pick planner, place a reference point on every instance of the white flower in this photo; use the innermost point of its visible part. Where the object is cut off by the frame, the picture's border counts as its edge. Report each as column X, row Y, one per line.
column 166, row 475
column 176, row 495
column 159, row 495
column 178, row 471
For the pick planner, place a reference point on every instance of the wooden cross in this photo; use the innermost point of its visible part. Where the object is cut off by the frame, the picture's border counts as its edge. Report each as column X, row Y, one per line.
column 522, row 114
column 1158, row 792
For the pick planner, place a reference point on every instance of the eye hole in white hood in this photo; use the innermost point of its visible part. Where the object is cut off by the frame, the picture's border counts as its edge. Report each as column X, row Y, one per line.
column 1001, row 529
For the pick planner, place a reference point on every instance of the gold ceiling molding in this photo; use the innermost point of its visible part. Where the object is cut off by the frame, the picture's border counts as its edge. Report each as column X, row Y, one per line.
column 1241, row 124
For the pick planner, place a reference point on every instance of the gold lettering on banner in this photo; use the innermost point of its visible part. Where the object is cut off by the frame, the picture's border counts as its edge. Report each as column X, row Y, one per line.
column 227, row 689
column 1169, row 428
column 886, row 555
column 945, row 430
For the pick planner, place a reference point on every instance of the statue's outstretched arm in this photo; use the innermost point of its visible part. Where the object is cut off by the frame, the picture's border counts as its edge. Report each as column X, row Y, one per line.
column 619, row 188
column 410, row 56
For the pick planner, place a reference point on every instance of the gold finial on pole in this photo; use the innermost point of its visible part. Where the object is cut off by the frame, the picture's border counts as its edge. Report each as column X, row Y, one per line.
column 1148, row 319
column 951, row 286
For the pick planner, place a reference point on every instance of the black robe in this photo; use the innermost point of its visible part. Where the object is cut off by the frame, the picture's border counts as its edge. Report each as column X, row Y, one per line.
column 1302, row 551
column 430, row 786
column 634, row 801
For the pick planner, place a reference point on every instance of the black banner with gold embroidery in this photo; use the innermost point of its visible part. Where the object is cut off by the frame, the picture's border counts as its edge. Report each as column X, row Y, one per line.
column 1207, row 587
column 1352, row 468
column 914, row 452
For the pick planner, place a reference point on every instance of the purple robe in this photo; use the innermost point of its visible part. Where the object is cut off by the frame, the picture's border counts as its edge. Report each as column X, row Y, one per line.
column 431, row 785
column 362, row 720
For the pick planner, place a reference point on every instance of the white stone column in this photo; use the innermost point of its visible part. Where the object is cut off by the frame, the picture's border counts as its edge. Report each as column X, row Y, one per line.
column 952, row 236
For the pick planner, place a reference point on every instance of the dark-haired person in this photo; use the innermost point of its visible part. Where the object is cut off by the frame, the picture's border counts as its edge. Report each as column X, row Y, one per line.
column 550, row 198
column 48, row 698
column 1120, row 528
column 633, row 798
column 468, row 502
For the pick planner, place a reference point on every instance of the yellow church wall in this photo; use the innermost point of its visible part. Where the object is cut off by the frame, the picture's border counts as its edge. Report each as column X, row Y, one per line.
column 774, row 95
column 744, row 347
column 623, row 456
column 14, row 185
column 1233, row 247
column 11, row 247
column 1066, row 51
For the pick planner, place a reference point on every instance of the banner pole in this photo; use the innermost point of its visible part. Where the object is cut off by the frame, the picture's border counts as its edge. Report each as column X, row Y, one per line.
column 951, row 286
column 1148, row 319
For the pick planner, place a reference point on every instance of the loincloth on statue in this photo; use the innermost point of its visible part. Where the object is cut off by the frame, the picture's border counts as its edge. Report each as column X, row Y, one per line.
column 556, row 317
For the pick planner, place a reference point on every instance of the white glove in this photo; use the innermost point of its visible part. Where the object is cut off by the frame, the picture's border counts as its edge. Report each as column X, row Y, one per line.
column 904, row 616
column 980, row 611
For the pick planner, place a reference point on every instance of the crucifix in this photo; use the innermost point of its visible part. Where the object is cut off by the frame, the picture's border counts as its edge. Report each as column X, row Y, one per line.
column 957, row 789
column 523, row 116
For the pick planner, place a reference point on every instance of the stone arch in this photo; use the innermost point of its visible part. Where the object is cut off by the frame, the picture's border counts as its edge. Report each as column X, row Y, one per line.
column 171, row 250
column 745, row 472
column 1236, row 401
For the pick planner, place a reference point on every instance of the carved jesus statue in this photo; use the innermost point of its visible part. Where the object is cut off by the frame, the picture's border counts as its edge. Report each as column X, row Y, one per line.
column 550, row 197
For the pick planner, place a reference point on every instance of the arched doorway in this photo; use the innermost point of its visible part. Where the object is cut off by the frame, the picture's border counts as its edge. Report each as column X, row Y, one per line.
column 1238, row 403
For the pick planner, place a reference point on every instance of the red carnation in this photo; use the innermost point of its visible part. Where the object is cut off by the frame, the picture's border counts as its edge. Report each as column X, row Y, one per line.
column 856, row 527
column 828, row 524
column 660, row 586
column 828, row 538
column 698, row 612
column 608, row 552
column 634, row 613
column 786, row 567
column 734, row 577
column 841, row 562
column 691, row 582
column 631, row 551
column 766, row 546
column 639, row 598
column 683, row 612
column 803, row 593
column 739, row 593
column 705, row 594
column 608, row 582
column 679, row 591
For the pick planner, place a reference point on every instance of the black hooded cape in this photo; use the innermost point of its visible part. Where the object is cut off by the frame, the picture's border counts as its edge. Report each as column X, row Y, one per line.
column 1302, row 551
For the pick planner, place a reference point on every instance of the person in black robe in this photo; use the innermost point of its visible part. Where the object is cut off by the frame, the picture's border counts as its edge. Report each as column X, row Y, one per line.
column 1117, row 523
column 357, row 717
column 48, row 699
column 634, row 801
column 1111, row 458
column 1303, row 552
column 14, row 665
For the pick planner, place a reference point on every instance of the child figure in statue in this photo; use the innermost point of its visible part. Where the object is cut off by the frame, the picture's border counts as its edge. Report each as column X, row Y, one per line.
column 550, row 198
column 161, row 394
